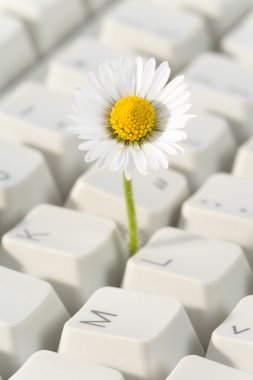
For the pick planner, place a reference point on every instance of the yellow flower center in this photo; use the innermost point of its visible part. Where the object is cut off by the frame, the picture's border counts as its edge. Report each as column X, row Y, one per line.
column 132, row 118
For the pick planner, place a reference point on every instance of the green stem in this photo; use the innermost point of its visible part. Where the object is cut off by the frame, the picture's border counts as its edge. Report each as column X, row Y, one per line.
column 132, row 224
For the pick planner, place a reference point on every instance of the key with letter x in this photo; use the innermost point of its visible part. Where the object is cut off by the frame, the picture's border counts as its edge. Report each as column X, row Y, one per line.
column 141, row 335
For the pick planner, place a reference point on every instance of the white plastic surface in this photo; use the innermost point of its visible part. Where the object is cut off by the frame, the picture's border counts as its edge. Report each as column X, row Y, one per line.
column 208, row 277
column 31, row 319
column 141, row 335
column 76, row 252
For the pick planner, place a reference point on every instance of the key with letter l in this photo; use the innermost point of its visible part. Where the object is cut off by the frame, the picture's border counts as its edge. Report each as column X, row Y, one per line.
column 208, row 277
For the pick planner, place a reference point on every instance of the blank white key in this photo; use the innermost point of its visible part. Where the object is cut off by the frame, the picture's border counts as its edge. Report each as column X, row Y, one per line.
column 16, row 50
column 238, row 42
column 209, row 148
column 158, row 197
column 69, row 68
column 38, row 117
column 76, row 252
column 222, row 209
column 141, row 335
column 221, row 85
column 244, row 160
column 220, row 14
column 196, row 368
column 232, row 341
column 173, row 35
column 46, row 365
column 25, row 181
column 31, row 319
column 208, row 277
column 48, row 21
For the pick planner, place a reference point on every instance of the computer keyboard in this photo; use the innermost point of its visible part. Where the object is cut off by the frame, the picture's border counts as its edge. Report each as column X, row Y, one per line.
column 73, row 305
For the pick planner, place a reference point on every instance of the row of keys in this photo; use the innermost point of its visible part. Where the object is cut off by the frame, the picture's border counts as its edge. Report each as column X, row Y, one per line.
column 51, row 366
column 75, row 252
column 78, row 272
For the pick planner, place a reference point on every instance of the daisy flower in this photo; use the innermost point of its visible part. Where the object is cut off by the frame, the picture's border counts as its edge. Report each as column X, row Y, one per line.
column 131, row 118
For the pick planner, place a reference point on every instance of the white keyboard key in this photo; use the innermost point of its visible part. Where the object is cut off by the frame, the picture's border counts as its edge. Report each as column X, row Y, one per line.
column 221, row 85
column 141, row 335
column 232, row 341
column 48, row 21
column 25, row 181
column 208, row 277
column 16, row 50
column 222, row 209
column 209, row 148
column 197, row 368
column 158, row 198
column 238, row 42
column 46, row 365
column 31, row 319
column 35, row 116
column 244, row 160
column 76, row 252
column 69, row 68
column 220, row 14
column 167, row 34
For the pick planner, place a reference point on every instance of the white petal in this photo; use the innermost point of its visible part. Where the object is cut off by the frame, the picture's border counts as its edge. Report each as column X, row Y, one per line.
column 147, row 77
column 139, row 158
column 180, row 100
column 170, row 87
column 174, row 135
column 181, row 110
column 161, row 77
column 139, row 73
column 100, row 150
column 129, row 167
